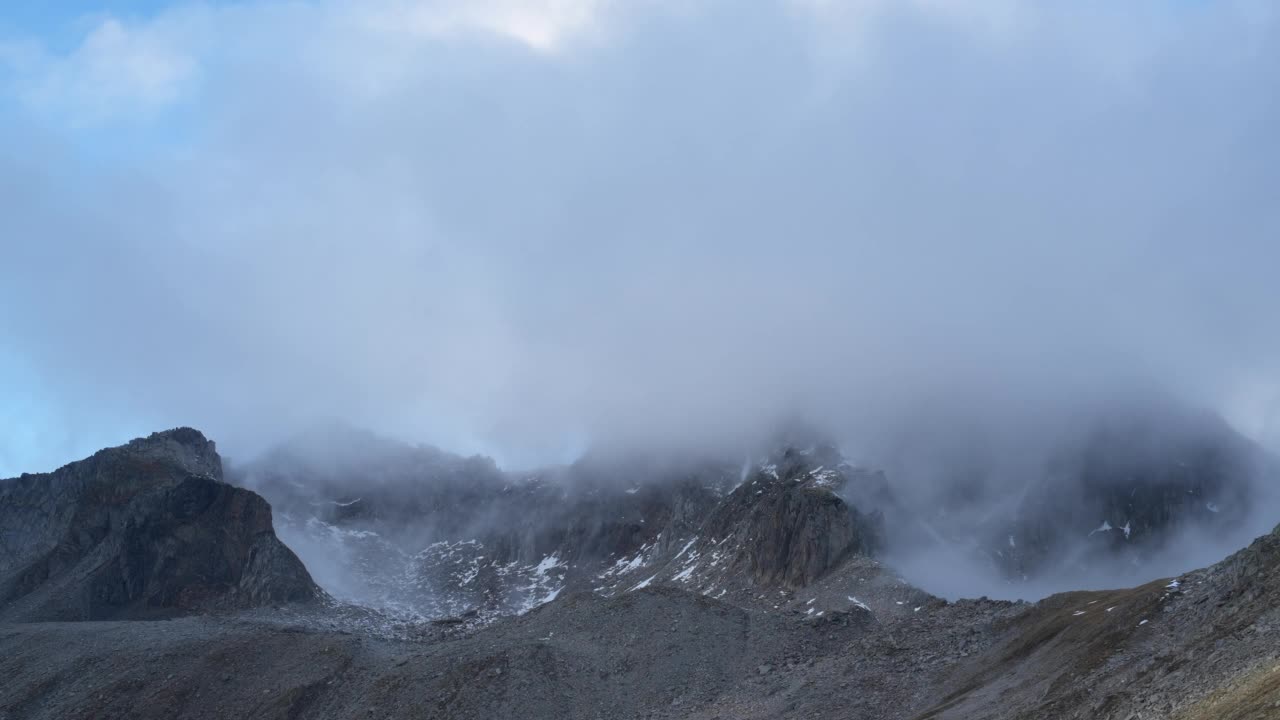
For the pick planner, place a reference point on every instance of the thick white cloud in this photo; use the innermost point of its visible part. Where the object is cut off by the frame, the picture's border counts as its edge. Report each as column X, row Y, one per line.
column 519, row 227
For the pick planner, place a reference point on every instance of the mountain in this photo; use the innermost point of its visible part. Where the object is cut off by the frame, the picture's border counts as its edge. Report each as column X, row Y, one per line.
column 1193, row 647
column 422, row 533
column 1136, row 486
column 618, row 586
column 1113, row 497
column 143, row 530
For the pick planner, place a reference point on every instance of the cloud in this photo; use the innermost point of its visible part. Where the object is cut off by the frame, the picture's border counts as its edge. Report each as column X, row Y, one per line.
column 122, row 69
column 542, row 25
column 985, row 16
column 117, row 70
column 457, row 222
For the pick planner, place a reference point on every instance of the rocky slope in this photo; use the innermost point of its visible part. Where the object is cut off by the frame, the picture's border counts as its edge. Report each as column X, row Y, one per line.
column 1198, row 646
column 603, row 589
column 487, row 544
column 146, row 529
column 421, row 533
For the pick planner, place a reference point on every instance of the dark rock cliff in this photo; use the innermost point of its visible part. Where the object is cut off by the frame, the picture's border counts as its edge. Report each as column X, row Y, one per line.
column 145, row 529
column 788, row 523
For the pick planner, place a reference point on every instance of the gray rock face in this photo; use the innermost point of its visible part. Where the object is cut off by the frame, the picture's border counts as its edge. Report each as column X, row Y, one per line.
column 789, row 526
column 146, row 529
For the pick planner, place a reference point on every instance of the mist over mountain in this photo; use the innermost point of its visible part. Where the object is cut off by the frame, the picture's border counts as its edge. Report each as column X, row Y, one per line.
column 906, row 359
column 629, row 583
column 648, row 225
column 1118, row 493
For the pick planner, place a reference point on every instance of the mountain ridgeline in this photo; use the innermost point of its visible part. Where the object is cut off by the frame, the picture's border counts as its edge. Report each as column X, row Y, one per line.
column 631, row 585
column 419, row 532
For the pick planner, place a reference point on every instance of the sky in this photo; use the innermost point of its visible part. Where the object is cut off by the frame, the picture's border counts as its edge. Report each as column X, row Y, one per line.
column 526, row 228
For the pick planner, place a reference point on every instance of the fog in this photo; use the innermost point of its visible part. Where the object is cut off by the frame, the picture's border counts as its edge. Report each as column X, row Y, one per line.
column 529, row 229
column 1190, row 489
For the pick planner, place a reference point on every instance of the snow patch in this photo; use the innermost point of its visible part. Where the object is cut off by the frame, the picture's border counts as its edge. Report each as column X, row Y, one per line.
column 547, row 563
column 644, row 583
column 685, row 548
column 683, row 575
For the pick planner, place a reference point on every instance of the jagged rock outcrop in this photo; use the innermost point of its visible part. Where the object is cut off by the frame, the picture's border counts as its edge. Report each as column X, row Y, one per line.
column 787, row 525
column 786, row 536
column 142, row 530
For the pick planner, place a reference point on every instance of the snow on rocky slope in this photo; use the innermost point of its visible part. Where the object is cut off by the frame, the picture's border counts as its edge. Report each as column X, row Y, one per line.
column 693, row 591
column 422, row 534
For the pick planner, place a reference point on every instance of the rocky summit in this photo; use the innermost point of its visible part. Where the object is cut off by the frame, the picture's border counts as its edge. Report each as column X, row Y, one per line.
column 149, row 529
column 144, row 583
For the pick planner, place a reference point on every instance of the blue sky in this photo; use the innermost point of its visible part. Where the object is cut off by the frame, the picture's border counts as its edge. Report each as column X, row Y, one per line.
column 521, row 226
column 51, row 17
column 62, row 24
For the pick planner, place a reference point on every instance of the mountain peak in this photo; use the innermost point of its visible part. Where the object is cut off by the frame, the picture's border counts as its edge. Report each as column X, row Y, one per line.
column 144, row 529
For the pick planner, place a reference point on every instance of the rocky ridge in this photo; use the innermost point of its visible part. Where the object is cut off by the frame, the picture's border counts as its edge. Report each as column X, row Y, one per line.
column 696, row 590
column 146, row 529
column 423, row 534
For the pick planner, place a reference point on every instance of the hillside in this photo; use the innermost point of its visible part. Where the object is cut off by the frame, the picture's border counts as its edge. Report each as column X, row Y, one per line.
column 714, row 593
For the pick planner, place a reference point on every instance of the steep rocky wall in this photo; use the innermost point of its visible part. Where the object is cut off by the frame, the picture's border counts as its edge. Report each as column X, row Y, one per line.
column 788, row 525
column 145, row 529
